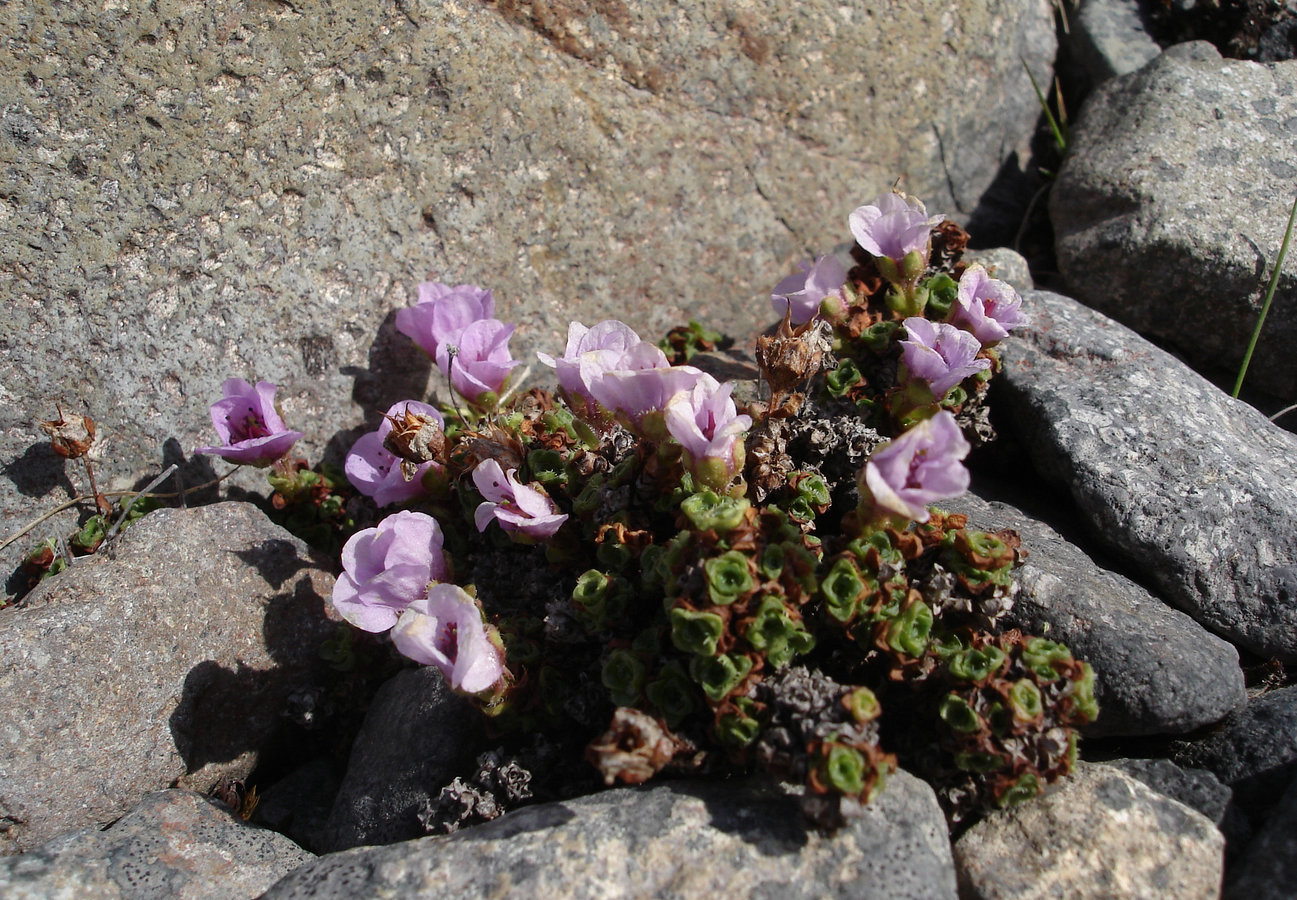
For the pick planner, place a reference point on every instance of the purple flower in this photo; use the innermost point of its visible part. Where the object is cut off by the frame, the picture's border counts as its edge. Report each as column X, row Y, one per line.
column 987, row 307
column 590, row 353
column 519, row 508
column 802, row 293
column 940, row 355
column 706, row 423
column 637, row 394
column 387, row 568
column 893, row 226
column 376, row 472
column 445, row 629
column 921, row 466
column 443, row 312
column 477, row 359
column 245, row 419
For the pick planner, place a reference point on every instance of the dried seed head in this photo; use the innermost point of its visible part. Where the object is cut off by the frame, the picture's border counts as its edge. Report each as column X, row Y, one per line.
column 70, row 436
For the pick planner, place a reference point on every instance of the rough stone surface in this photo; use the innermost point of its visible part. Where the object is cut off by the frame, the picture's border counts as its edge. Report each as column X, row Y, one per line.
column 1268, row 870
column 203, row 190
column 1108, row 38
column 1185, row 483
column 298, row 804
column 1254, row 751
column 417, row 736
column 1170, row 208
column 1103, row 834
column 1196, row 788
column 680, row 839
column 166, row 658
column 1156, row 670
column 173, row 844
column 1005, row 264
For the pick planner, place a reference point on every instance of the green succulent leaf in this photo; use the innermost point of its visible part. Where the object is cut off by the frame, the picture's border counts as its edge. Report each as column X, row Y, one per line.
column 1025, row 700
column 909, row 632
column 728, row 577
column 842, row 589
column 719, row 675
column 844, row 768
column 1027, row 787
column 673, row 693
column 696, row 631
column 843, row 378
column 708, row 511
column 863, row 705
column 623, row 676
column 1039, row 654
column 976, row 665
column 955, row 712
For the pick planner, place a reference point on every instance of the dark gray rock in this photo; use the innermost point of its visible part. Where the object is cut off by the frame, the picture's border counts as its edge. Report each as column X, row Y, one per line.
column 298, row 804
column 1102, row 834
column 1195, row 788
column 1268, row 870
column 174, row 845
column 164, row 660
column 191, row 196
column 1109, row 38
column 1156, row 670
column 1170, row 209
column 1254, row 751
column 417, row 736
column 686, row 839
column 1171, row 474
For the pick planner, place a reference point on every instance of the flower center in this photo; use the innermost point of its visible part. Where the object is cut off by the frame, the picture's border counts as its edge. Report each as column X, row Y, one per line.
column 249, row 427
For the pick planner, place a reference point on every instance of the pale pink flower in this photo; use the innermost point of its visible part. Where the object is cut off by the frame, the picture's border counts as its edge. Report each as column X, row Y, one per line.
column 590, row 353
column 246, row 420
column 920, row 467
column 987, row 307
column 893, row 226
column 939, row 354
column 443, row 312
column 445, row 629
column 707, row 425
column 803, row 292
column 388, row 567
column 477, row 358
column 519, row 508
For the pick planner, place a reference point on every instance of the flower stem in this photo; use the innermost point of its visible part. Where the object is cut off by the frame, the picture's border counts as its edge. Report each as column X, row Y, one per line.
column 81, row 498
column 1269, row 295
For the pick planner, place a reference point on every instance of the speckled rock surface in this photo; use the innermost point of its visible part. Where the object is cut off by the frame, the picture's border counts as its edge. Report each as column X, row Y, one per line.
column 1268, row 870
column 173, row 844
column 167, row 658
column 1195, row 788
column 1109, row 38
column 417, row 736
column 1102, row 834
column 1156, row 670
column 1254, row 751
column 204, row 190
column 1171, row 474
column 690, row 840
column 1170, row 208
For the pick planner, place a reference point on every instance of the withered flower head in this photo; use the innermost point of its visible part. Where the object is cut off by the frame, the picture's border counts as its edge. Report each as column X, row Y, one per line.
column 71, row 436
column 415, row 437
column 792, row 355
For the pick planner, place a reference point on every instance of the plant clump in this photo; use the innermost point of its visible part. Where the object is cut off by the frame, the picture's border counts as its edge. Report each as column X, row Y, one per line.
column 680, row 582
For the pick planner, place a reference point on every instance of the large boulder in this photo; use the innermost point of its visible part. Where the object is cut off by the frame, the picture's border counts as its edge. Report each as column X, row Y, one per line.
column 167, row 659
column 1170, row 209
column 687, row 839
column 204, row 190
column 1170, row 474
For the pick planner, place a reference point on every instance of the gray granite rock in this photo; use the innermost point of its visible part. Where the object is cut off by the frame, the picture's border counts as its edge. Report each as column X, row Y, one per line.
column 298, row 805
column 1005, row 264
column 1109, row 38
column 1102, row 834
column 688, row 840
column 1268, row 870
column 197, row 191
column 1189, row 486
column 1196, row 788
column 164, row 660
column 1170, row 208
column 417, row 736
column 1254, row 751
column 174, row 845
column 1156, row 670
